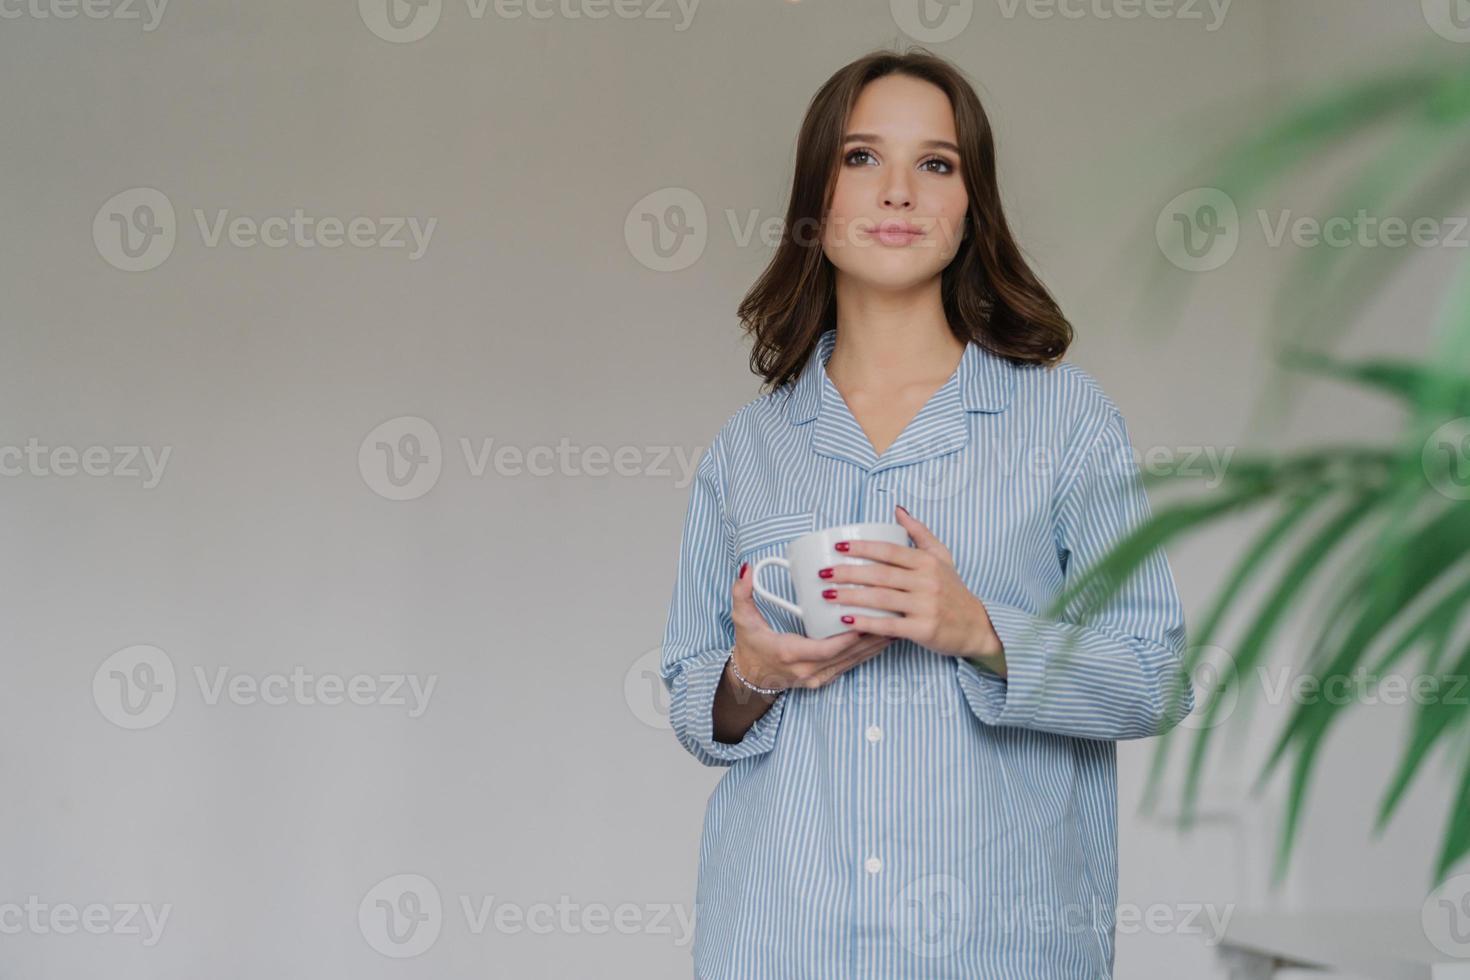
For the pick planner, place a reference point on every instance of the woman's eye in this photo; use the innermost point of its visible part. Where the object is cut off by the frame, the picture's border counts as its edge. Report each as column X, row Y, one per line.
column 861, row 157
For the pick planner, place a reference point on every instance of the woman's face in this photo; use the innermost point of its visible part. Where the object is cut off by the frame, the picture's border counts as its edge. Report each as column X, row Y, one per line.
column 898, row 210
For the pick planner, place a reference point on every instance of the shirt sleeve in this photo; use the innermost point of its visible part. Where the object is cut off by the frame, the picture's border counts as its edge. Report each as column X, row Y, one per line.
column 1121, row 676
column 700, row 631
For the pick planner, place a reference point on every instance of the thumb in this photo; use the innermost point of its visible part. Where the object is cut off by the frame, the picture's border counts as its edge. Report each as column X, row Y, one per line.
column 924, row 539
column 742, row 600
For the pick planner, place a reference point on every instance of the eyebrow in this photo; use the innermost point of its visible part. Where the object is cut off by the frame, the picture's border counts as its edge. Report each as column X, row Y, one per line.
column 875, row 138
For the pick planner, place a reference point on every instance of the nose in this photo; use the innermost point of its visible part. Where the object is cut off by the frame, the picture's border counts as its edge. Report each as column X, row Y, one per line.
column 897, row 193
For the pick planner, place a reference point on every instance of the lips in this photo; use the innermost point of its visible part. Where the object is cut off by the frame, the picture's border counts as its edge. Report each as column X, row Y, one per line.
column 897, row 233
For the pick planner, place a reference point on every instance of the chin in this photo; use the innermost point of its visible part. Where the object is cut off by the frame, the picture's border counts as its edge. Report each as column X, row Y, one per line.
column 895, row 276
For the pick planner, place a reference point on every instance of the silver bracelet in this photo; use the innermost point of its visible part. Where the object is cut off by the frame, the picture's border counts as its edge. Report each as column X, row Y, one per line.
column 741, row 678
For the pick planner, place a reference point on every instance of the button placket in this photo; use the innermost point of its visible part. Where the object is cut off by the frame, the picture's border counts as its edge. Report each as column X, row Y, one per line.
column 879, row 509
column 873, row 864
column 879, row 505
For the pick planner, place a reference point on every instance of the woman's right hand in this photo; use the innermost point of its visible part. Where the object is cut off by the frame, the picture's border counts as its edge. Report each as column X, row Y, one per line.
column 769, row 658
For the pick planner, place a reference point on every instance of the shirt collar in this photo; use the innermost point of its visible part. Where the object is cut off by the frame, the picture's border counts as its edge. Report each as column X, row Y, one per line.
column 986, row 380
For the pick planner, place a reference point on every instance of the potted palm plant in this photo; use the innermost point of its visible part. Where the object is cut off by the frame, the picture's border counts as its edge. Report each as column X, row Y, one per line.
column 1384, row 529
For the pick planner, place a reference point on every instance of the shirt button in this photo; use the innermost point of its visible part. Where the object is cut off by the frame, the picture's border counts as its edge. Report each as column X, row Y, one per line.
column 874, row 733
column 873, row 865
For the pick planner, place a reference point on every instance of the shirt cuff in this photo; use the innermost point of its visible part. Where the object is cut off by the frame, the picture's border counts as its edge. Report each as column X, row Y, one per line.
column 701, row 677
column 1014, row 698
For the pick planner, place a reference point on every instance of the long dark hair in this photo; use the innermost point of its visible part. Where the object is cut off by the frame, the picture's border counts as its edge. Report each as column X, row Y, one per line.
column 991, row 296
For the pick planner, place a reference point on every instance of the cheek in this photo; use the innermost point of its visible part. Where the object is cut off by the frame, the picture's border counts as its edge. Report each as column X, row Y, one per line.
column 949, row 214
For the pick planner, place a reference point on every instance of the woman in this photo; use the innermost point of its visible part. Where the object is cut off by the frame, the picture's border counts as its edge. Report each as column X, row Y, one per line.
column 932, row 794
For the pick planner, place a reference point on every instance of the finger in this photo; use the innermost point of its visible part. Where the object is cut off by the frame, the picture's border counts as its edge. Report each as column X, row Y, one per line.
column 886, row 552
column 743, row 610
column 889, row 577
column 805, row 649
column 924, row 539
column 865, row 651
column 876, row 649
column 871, row 644
column 875, row 598
column 893, row 626
column 870, row 648
column 803, row 664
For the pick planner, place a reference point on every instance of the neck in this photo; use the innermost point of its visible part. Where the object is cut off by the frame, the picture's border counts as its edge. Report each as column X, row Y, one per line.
column 887, row 340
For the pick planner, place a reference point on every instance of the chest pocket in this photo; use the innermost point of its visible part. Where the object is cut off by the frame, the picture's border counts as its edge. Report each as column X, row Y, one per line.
column 764, row 537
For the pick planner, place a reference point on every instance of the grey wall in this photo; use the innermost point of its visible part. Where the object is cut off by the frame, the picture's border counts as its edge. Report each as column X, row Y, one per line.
column 535, row 315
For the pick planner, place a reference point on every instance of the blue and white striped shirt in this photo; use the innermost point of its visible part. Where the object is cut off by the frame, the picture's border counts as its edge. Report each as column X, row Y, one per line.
column 918, row 816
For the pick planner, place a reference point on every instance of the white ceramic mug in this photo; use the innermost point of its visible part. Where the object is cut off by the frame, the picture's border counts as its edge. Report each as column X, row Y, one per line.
column 814, row 551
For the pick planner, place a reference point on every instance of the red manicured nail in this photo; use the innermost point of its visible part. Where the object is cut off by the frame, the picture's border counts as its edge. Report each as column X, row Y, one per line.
column 825, row 573
column 829, row 593
column 742, row 568
column 847, row 619
column 840, row 546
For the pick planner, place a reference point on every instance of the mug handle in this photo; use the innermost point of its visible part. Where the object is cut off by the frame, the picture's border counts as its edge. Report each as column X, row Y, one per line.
column 755, row 580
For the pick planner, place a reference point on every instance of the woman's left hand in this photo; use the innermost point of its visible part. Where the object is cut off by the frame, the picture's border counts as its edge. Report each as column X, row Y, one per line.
column 937, row 610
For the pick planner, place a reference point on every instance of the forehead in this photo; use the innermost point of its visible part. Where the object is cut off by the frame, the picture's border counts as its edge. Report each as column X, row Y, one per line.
column 902, row 109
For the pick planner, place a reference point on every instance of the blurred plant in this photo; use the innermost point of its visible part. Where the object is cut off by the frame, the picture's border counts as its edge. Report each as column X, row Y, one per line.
column 1385, row 530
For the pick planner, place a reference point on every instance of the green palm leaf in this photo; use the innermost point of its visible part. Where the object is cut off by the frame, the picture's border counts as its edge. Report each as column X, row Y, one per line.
column 1403, row 589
